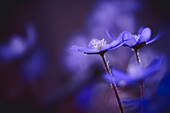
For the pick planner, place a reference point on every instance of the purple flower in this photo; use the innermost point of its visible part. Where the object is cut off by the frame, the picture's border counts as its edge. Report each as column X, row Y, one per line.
column 99, row 46
column 137, row 41
column 136, row 74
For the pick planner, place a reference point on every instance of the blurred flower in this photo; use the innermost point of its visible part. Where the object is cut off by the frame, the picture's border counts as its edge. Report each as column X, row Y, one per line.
column 17, row 46
column 147, row 55
column 139, row 40
column 99, row 46
column 136, row 74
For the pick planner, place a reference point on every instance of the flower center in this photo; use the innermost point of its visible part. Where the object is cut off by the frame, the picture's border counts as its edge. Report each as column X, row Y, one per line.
column 98, row 44
column 136, row 37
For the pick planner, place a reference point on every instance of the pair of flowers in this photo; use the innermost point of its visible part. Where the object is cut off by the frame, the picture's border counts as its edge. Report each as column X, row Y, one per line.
column 124, row 39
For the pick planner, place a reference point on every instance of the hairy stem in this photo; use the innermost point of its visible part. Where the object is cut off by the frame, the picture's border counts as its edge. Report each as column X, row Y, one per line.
column 141, row 83
column 113, row 84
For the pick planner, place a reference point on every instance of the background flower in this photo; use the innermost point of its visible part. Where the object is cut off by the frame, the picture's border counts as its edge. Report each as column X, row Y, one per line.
column 136, row 73
column 18, row 46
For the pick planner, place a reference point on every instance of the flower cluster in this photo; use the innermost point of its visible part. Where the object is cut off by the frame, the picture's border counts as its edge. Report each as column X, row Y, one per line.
column 126, row 38
column 138, row 73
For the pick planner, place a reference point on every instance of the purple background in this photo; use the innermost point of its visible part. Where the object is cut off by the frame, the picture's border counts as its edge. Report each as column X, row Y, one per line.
column 55, row 21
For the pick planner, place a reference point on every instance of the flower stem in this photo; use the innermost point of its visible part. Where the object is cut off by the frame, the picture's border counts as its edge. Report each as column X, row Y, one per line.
column 141, row 83
column 113, row 84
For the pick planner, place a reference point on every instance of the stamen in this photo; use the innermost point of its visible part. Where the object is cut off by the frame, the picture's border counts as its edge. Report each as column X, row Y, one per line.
column 98, row 44
column 137, row 37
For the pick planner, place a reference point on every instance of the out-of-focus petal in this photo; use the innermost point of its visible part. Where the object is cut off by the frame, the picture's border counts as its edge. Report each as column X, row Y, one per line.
column 13, row 49
column 118, row 77
column 145, row 35
column 152, row 68
column 18, row 46
column 121, row 78
column 124, row 79
column 135, row 71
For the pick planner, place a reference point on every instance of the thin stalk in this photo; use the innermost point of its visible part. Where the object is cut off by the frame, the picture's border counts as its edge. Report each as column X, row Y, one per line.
column 113, row 84
column 141, row 83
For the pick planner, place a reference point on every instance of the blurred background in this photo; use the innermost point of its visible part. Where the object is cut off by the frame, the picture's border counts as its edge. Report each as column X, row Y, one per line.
column 39, row 73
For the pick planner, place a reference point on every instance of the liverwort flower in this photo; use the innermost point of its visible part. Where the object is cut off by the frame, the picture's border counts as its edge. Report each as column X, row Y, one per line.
column 99, row 46
column 135, row 75
column 137, row 41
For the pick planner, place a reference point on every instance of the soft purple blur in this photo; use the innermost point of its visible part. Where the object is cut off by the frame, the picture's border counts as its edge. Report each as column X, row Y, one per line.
column 39, row 71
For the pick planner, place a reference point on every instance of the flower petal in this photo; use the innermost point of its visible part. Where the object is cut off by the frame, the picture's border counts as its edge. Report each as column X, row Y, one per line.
column 130, row 39
column 148, row 71
column 124, row 79
column 152, row 68
column 122, row 38
column 84, row 50
column 140, row 30
column 14, row 48
column 114, row 44
column 153, row 39
column 145, row 35
column 121, row 78
column 110, row 35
